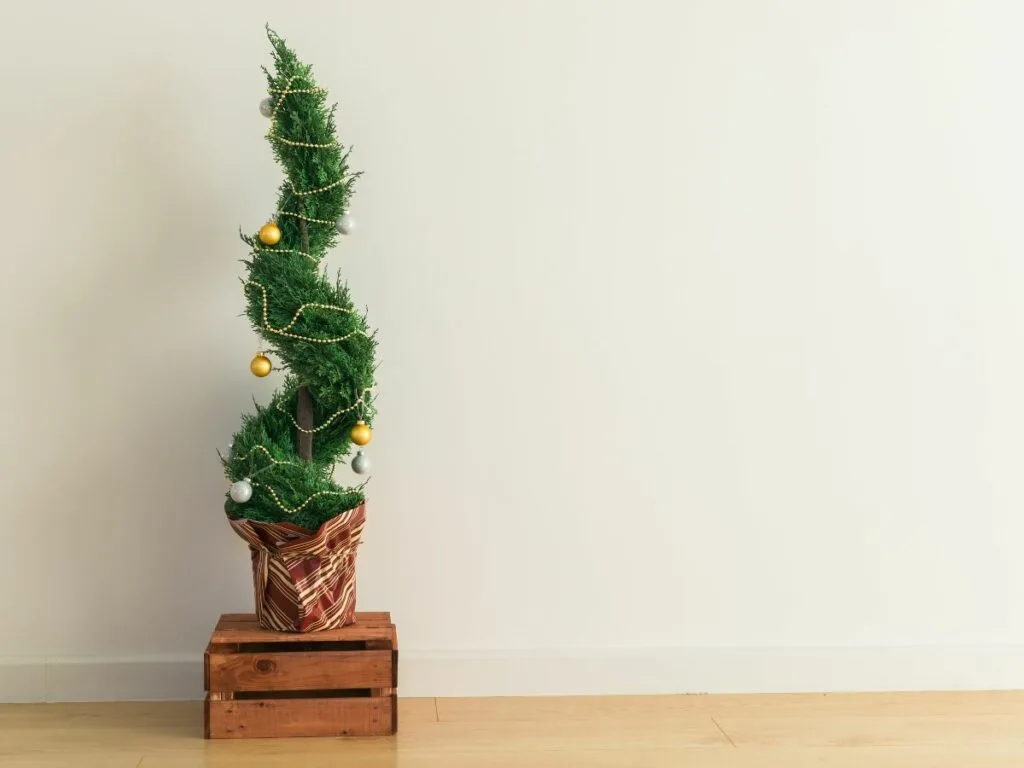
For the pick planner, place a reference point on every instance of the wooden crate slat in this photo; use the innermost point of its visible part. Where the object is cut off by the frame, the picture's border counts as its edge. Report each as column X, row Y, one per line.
column 303, row 671
column 249, row 631
column 362, row 617
column 334, row 635
column 373, row 617
column 264, row 684
column 293, row 718
column 391, row 644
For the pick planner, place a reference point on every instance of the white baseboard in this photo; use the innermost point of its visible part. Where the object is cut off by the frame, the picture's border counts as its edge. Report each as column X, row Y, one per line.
column 520, row 673
column 714, row 670
column 144, row 678
column 22, row 680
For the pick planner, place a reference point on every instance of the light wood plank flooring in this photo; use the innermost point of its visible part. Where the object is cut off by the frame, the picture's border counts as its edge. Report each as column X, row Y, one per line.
column 949, row 730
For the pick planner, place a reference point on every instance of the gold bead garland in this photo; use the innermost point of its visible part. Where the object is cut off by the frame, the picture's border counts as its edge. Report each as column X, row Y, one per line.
column 273, row 494
column 327, row 145
column 270, row 456
column 303, row 505
column 358, row 403
column 337, row 183
column 288, row 88
column 283, row 92
column 286, row 250
column 305, row 218
column 306, row 144
column 285, row 332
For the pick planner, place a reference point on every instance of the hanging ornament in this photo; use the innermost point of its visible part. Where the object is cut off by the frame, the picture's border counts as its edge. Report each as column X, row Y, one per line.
column 360, row 463
column 230, row 454
column 346, row 223
column 260, row 365
column 267, row 108
column 361, row 433
column 270, row 234
column 241, row 491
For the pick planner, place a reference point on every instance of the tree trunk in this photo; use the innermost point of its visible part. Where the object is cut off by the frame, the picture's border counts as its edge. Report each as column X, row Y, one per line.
column 304, row 401
column 304, row 415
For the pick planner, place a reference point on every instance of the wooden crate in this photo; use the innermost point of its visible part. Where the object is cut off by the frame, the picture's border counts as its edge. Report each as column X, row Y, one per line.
column 263, row 684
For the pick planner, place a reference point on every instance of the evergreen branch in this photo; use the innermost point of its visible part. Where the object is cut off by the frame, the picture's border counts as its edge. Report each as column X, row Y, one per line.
column 315, row 191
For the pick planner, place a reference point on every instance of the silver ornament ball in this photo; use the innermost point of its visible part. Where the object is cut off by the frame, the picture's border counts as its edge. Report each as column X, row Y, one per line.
column 241, row 491
column 346, row 224
column 360, row 463
column 267, row 108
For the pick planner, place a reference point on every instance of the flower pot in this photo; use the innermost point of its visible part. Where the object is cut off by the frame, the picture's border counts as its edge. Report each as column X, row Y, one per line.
column 304, row 581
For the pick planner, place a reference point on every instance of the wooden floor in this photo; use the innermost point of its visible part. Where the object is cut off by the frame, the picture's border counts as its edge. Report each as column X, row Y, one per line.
column 971, row 730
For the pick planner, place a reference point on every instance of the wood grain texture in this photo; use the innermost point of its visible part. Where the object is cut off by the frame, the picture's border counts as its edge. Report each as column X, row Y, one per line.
column 243, row 628
column 941, row 730
column 390, row 643
column 264, row 684
column 290, row 718
column 872, row 731
column 303, row 671
column 823, row 707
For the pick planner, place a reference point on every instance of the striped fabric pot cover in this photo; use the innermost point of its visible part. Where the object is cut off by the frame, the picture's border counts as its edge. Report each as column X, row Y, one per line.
column 304, row 581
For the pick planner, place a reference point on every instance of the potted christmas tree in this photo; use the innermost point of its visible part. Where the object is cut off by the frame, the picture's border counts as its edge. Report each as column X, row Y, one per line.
column 302, row 527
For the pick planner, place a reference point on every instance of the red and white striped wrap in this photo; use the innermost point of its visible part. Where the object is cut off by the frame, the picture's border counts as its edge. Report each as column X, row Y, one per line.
column 304, row 581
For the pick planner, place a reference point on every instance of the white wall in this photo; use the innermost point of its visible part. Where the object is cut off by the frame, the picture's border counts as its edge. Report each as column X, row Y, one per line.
column 700, row 333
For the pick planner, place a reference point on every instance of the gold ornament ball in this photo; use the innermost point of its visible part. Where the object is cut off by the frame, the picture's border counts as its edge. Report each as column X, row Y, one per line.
column 260, row 365
column 361, row 433
column 270, row 234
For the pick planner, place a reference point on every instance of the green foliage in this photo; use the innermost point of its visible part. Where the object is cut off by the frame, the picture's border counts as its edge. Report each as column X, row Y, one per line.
column 338, row 374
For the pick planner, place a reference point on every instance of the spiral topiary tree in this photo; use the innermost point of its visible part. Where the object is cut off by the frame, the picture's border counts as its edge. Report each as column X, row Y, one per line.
column 282, row 460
